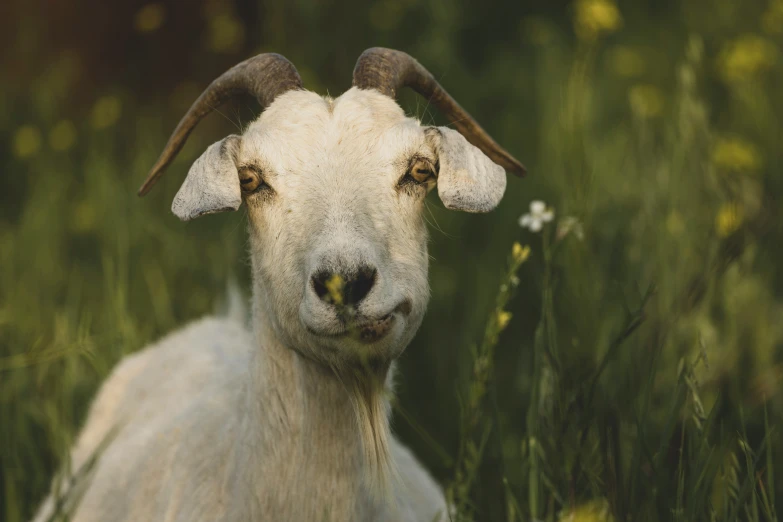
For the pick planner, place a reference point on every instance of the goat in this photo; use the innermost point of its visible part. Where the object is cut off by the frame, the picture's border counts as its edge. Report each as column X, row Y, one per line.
column 287, row 420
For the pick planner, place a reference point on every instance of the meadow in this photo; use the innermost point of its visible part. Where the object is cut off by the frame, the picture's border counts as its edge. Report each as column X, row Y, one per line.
column 624, row 362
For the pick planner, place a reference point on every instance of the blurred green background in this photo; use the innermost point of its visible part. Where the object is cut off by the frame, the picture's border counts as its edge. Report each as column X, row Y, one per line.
column 639, row 376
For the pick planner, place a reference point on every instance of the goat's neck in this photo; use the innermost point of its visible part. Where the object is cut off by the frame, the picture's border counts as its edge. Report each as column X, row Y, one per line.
column 307, row 461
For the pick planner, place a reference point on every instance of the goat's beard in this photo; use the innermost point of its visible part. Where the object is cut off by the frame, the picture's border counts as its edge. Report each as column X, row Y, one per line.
column 370, row 399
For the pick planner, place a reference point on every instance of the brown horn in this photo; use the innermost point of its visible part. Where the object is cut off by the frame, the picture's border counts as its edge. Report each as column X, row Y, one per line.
column 387, row 70
column 265, row 76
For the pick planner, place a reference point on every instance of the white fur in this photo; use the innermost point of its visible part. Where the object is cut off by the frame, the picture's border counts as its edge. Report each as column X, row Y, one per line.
column 219, row 422
column 468, row 180
column 211, row 185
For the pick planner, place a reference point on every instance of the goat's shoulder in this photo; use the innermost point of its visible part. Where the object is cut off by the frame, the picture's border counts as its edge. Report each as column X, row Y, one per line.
column 185, row 374
column 417, row 493
column 159, row 407
column 167, row 376
column 203, row 350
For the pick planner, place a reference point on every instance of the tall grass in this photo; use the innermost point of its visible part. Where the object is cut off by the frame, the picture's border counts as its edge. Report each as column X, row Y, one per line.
column 649, row 427
column 628, row 372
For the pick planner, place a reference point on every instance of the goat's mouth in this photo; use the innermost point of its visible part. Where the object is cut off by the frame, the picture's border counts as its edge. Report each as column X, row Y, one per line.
column 374, row 330
column 366, row 330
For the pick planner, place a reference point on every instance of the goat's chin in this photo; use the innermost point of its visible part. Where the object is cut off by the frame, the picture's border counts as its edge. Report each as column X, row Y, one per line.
column 360, row 351
column 363, row 343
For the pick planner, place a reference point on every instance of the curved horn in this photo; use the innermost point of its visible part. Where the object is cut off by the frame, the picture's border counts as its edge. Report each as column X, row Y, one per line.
column 387, row 70
column 265, row 76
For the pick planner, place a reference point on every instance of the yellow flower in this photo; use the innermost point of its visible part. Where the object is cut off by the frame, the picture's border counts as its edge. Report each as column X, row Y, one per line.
column 745, row 57
column 27, row 141
column 593, row 511
column 592, row 18
column 62, row 135
column 149, row 18
column 106, row 112
column 646, row 100
column 334, row 286
column 503, row 319
column 729, row 219
column 520, row 253
column 736, row 154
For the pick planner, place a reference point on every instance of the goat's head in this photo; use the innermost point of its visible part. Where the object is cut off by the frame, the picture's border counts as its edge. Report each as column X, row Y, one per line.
column 335, row 192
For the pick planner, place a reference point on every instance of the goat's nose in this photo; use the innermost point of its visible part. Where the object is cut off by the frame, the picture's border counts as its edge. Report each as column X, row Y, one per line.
column 344, row 289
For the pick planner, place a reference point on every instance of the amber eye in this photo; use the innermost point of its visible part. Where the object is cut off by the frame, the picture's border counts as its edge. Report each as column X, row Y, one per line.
column 249, row 179
column 421, row 171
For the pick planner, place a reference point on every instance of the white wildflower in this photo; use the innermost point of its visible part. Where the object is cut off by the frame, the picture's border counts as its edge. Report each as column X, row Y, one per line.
column 568, row 225
column 538, row 215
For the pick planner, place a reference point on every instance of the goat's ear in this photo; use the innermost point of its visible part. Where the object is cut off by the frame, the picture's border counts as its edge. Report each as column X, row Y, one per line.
column 212, row 184
column 467, row 179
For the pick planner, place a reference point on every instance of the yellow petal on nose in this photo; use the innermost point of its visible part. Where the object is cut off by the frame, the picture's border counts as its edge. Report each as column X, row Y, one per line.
column 335, row 286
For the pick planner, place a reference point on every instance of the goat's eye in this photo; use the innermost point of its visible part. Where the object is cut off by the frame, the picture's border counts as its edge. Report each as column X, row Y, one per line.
column 421, row 172
column 250, row 180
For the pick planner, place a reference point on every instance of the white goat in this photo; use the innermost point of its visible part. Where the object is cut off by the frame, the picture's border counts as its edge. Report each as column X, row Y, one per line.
column 288, row 421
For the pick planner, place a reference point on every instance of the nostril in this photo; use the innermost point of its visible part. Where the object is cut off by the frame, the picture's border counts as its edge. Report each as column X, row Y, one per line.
column 358, row 289
column 335, row 288
column 319, row 285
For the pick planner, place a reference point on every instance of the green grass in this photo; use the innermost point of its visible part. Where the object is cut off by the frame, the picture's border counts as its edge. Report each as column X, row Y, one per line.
column 638, row 375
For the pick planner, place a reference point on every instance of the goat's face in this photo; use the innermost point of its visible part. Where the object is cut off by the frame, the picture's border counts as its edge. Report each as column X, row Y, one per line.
column 335, row 193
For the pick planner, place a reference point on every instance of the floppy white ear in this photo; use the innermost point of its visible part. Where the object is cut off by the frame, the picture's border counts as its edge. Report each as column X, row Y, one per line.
column 212, row 184
column 467, row 179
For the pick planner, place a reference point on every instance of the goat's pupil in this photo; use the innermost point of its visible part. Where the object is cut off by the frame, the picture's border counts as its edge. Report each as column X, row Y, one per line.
column 421, row 174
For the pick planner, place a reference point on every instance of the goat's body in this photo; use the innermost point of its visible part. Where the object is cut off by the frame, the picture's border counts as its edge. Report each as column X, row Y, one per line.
column 209, row 426
column 290, row 422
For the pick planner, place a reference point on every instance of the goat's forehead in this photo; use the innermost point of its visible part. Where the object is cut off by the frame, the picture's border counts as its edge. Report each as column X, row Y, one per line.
column 298, row 115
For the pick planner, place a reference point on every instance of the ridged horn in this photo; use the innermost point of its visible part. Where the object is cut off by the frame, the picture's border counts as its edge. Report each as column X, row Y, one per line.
column 265, row 76
column 388, row 70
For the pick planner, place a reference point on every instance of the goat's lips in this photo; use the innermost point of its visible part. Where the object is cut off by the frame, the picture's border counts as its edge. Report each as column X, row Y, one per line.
column 365, row 330
column 375, row 330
